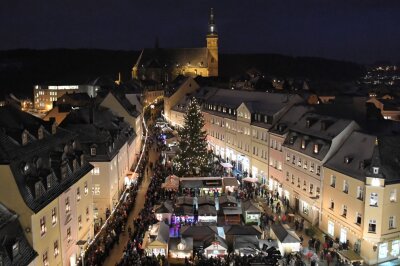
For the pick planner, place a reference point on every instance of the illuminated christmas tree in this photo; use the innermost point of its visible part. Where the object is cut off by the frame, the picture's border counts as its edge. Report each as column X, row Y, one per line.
column 193, row 158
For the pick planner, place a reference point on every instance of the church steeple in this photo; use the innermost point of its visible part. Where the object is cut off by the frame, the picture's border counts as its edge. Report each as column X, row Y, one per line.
column 212, row 28
column 212, row 46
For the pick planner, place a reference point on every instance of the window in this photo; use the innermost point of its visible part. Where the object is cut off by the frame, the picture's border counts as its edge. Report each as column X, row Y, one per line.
column 373, row 200
column 304, row 185
column 78, row 194
column 293, row 159
column 312, row 168
column 53, row 216
column 318, row 170
column 392, row 222
column 393, row 195
column 395, row 248
column 45, row 260
column 333, row 181
column 316, row 148
column 292, row 178
column 96, row 189
column 375, row 170
column 372, row 226
column 305, row 208
column 358, row 218
column 87, row 214
column 303, row 144
column 15, row 249
column 93, row 151
column 299, row 162
column 67, row 205
column 345, row 186
column 332, row 205
column 344, row 211
column 331, row 228
column 311, row 188
column 360, row 193
column 298, row 182
column 96, row 170
column 86, row 188
column 56, row 249
column 343, row 235
column 80, row 222
column 287, row 176
column 69, row 238
column 43, row 228
column 383, row 250
column 305, row 164
column 287, row 157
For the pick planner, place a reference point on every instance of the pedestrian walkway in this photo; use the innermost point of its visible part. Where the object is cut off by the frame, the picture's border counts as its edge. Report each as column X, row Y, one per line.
column 117, row 252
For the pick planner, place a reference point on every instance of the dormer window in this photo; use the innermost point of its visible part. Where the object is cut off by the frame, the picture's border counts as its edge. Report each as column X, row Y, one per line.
column 38, row 189
column 347, row 159
column 375, row 170
column 40, row 133
column 24, row 138
column 26, row 168
column 316, row 148
column 93, row 151
column 308, row 123
column 303, row 144
column 292, row 139
column 15, row 249
column 75, row 165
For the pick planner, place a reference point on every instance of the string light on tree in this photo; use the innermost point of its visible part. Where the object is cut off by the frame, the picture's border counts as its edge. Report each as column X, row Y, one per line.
column 193, row 158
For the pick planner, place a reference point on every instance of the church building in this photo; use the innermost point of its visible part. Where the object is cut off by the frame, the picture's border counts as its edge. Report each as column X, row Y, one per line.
column 165, row 64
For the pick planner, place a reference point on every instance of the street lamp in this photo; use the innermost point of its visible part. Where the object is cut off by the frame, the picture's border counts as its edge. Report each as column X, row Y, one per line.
column 81, row 243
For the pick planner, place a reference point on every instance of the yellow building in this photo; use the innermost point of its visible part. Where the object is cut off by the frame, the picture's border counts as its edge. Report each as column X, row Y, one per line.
column 360, row 202
column 48, row 183
column 164, row 65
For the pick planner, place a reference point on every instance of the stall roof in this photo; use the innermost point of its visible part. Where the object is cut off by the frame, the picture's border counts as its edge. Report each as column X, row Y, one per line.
column 227, row 199
column 163, row 233
column 202, row 200
column 246, row 241
column 165, row 207
column 230, row 181
column 250, row 206
column 242, row 230
column 198, row 233
column 232, row 210
column 185, row 201
column 184, row 210
column 284, row 235
column 207, row 210
column 211, row 240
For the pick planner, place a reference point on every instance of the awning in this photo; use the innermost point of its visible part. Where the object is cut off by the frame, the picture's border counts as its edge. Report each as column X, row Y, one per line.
column 250, row 179
column 350, row 256
column 226, row 165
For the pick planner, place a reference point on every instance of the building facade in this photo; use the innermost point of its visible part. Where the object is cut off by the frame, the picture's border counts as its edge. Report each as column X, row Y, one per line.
column 44, row 169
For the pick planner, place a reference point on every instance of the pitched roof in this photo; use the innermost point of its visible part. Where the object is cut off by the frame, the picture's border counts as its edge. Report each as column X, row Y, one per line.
column 353, row 157
column 11, row 233
column 242, row 230
column 159, row 57
column 250, row 206
column 284, row 235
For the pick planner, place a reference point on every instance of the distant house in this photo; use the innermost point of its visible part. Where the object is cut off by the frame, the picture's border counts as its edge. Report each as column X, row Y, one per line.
column 251, row 212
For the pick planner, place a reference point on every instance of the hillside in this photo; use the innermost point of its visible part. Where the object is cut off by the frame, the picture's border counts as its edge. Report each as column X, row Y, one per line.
column 21, row 69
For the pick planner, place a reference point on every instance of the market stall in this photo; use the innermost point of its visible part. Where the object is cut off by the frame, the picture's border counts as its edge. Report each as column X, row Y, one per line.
column 201, row 185
column 230, row 184
column 232, row 215
column 350, row 257
column 251, row 212
column 171, row 183
column 217, row 247
column 156, row 239
column 246, row 245
column 181, row 248
column 164, row 211
column 207, row 214
column 288, row 241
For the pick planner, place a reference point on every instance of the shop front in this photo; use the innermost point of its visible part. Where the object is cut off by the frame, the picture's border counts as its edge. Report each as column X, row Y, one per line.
column 217, row 248
column 201, row 185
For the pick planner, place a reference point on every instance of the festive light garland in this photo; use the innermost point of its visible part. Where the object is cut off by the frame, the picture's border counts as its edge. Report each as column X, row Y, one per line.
column 121, row 199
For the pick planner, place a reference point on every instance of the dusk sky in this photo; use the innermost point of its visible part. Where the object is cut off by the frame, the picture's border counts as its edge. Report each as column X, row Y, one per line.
column 357, row 30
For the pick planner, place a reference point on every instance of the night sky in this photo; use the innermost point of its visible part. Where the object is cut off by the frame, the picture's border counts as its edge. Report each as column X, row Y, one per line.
column 358, row 30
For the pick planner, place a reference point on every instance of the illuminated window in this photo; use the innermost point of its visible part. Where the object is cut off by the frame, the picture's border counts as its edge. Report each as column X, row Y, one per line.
column 373, row 200
column 395, row 248
column 53, row 216
column 67, row 205
column 331, row 228
column 45, row 260
column 78, row 194
column 393, row 195
column 93, row 151
column 96, row 189
column 345, row 186
column 392, row 222
column 343, row 235
column 316, row 148
column 86, row 188
column 56, row 249
column 305, row 208
column 360, row 193
column 96, row 170
column 43, row 228
column 333, row 181
column 15, row 249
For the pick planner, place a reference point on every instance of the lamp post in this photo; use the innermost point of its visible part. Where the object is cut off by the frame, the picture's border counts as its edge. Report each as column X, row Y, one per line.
column 81, row 243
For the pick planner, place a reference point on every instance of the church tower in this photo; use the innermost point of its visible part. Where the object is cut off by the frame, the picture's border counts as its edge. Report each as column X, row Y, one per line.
column 212, row 46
